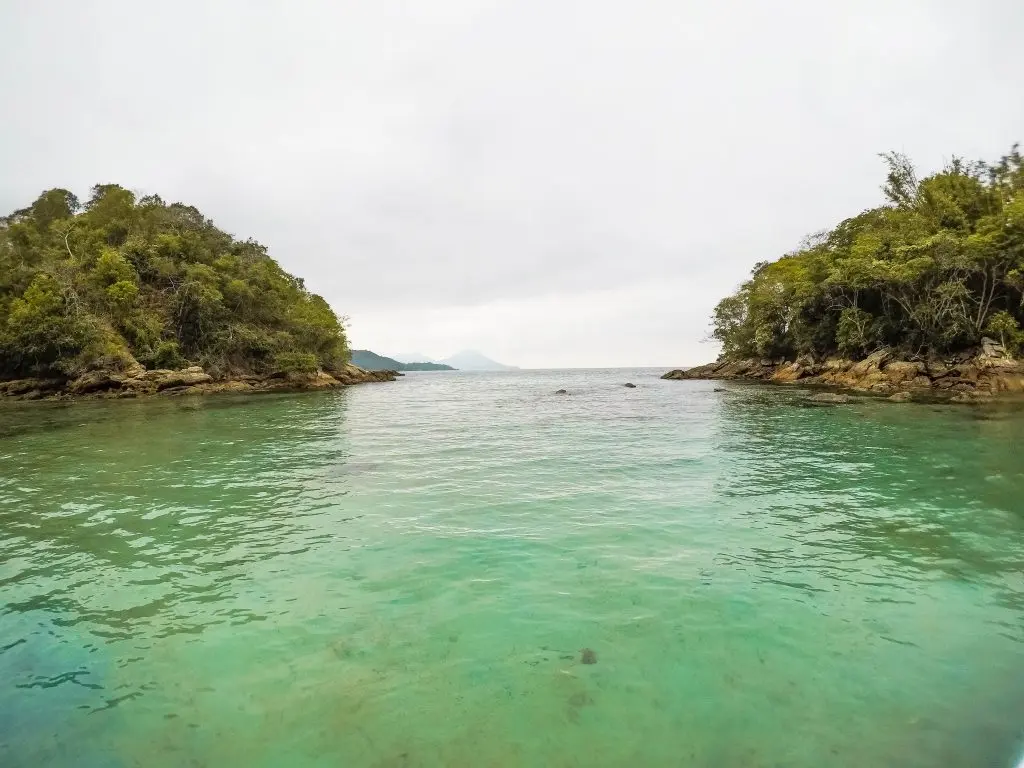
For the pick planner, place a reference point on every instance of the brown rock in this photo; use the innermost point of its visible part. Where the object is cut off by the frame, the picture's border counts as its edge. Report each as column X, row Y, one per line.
column 96, row 381
column 17, row 387
column 787, row 373
column 186, row 377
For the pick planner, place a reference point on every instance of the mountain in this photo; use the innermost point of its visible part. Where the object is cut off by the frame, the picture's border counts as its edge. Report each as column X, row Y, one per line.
column 371, row 361
column 413, row 357
column 471, row 360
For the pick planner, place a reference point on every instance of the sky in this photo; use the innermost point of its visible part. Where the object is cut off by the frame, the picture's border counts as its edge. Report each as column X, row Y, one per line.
column 555, row 184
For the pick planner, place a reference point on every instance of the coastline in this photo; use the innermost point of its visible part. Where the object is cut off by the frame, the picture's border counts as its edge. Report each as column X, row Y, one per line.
column 977, row 376
column 139, row 382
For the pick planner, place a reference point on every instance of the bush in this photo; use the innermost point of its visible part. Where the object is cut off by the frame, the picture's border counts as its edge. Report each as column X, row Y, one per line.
column 295, row 362
column 168, row 355
column 1004, row 327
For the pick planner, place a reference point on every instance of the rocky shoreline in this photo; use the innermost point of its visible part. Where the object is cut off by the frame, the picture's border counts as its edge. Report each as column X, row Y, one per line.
column 139, row 382
column 977, row 375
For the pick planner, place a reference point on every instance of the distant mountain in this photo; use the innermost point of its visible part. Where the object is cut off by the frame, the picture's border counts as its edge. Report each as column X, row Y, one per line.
column 371, row 361
column 413, row 357
column 471, row 360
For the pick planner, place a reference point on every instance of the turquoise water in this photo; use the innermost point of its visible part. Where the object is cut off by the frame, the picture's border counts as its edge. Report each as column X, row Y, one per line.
column 405, row 575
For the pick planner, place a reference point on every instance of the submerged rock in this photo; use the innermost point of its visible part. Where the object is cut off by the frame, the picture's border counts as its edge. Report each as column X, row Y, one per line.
column 830, row 398
column 561, row 392
column 588, row 656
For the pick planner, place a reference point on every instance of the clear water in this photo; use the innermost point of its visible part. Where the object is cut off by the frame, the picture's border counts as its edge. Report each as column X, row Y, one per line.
column 405, row 574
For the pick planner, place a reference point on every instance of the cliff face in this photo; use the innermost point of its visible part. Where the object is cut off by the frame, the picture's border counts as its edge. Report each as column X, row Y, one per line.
column 138, row 381
column 977, row 375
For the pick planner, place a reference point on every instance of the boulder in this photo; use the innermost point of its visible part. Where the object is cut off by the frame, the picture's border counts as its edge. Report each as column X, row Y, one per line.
column 186, row 377
column 96, row 381
column 18, row 387
column 830, row 398
column 899, row 371
column 873, row 362
column 900, row 397
column 791, row 372
column 992, row 348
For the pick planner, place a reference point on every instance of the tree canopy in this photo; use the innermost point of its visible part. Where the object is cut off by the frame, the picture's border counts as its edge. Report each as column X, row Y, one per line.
column 118, row 281
column 928, row 273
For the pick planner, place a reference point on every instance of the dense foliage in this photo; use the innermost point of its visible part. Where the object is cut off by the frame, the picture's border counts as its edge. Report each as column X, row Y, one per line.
column 119, row 281
column 929, row 273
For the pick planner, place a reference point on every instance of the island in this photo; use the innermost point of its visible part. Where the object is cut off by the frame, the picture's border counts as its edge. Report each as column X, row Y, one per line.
column 122, row 296
column 921, row 296
column 371, row 361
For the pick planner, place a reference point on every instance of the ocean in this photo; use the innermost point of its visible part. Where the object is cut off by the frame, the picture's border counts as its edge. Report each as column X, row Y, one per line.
column 466, row 569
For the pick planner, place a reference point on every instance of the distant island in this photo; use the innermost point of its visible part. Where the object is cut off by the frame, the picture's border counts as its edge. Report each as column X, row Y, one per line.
column 922, row 295
column 467, row 360
column 124, row 296
column 371, row 361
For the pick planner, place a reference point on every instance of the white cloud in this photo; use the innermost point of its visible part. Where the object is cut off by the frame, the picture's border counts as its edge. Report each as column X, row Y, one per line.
column 530, row 178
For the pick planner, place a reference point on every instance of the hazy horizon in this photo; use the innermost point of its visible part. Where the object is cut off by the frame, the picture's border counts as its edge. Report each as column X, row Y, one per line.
column 552, row 184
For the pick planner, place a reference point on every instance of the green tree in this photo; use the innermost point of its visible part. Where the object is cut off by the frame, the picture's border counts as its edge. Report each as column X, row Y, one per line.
column 120, row 279
column 926, row 273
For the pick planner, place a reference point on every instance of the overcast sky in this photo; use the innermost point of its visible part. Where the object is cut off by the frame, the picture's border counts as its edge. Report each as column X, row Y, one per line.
column 552, row 183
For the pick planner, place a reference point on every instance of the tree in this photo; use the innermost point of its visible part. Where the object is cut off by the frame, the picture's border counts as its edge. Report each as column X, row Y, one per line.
column 927, row 273
column 120, row 280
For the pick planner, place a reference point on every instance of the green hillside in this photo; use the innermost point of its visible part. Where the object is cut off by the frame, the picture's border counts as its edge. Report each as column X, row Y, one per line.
column 930, row 272
column 119, row 281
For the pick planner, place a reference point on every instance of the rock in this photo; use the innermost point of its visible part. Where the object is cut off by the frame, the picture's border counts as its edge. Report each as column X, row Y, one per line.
column 629, row 385
column 17, row 387
column 232, row 386
column 353, row 374
column 983, row 373
column 187, row 377
column 831, row 398
column 135, row 370
column 787, row 373
column 900, row 397
column 900, row 371
column 719, row 389
column 837, row 365
column 96, row 381
column 992, row 348
column 964, row 397
column 561, row 392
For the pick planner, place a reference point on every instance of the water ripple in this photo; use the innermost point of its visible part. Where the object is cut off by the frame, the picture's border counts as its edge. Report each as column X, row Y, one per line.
column 404, row 575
